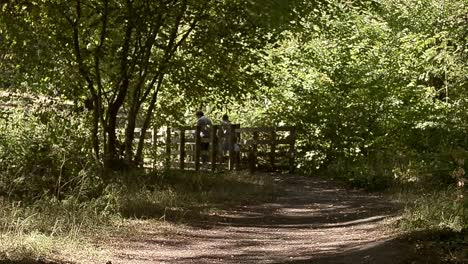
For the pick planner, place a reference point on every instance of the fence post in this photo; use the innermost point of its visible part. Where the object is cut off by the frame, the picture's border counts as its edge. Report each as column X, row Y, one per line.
column 237, row 141
column 214, row 146
column 253, row 153
column 182, row 148
column 292, row 152
column 273, row 149
column 168, row 147
column 231, row 139
column 197, row 148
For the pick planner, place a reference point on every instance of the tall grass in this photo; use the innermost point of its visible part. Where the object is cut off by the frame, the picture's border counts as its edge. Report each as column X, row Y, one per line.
column 436, row 222
column 47, row 228
column 436, row 209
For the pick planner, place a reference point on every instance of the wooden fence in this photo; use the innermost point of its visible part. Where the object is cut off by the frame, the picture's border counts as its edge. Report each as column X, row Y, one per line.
column 255, row 148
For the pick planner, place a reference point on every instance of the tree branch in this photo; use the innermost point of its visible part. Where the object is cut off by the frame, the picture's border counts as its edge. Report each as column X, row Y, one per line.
column 97, row 55
column 123, row 83
column 85, row 74
column 167, row 52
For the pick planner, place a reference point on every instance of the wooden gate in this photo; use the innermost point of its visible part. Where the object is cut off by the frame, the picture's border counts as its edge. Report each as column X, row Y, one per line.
column 253, row 148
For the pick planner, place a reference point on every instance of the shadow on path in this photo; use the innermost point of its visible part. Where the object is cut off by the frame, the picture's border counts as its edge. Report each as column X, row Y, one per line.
column 382, row 252
column 307, row 203
column 310, row 221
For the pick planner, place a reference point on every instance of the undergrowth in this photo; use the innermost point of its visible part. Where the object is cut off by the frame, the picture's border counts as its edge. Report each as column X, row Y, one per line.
column 436, row 222
column 438, row 209
column 47, row 228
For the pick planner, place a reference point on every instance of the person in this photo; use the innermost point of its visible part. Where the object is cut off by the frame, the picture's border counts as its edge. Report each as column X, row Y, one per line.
column 205, row 126
column 223, row 136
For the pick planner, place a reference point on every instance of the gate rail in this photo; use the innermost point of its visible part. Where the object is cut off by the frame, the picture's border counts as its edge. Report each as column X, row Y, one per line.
column 252, row 147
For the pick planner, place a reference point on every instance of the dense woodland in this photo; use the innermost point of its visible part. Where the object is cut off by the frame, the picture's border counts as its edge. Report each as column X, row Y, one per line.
column 376, row 89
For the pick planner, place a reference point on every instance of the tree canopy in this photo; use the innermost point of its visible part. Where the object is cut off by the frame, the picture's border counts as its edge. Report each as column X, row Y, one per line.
column 116, row 56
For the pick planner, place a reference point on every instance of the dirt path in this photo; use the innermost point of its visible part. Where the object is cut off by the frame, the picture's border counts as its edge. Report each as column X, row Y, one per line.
column 312, row 221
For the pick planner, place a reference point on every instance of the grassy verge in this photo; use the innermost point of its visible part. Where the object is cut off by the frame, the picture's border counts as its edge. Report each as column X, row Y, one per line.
column 48, row 230
column 172, row 194
column 436, row 224
column 58, row 231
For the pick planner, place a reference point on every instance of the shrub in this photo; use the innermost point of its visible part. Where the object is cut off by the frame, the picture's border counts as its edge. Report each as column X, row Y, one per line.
column 43, row 152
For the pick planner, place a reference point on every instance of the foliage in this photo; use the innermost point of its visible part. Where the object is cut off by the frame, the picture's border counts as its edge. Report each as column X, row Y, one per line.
column 374, row 90
column 120, row 53
column 44, row 152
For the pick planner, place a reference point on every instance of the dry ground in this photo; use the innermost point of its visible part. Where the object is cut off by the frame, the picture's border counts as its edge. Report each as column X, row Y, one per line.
column 311, row 221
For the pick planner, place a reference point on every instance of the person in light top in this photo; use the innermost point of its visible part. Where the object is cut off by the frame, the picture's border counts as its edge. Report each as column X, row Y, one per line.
column 205, row 127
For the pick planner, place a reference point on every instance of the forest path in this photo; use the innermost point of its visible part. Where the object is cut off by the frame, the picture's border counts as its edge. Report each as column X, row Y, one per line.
column 311, row 221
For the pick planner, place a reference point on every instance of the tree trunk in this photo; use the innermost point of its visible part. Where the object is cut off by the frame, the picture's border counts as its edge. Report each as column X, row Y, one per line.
column 147, row 121
column 131, row 122
column 130, row 133
column 111, row 157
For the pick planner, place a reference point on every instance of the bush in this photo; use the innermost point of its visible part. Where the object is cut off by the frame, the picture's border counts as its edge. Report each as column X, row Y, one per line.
column 43, row 152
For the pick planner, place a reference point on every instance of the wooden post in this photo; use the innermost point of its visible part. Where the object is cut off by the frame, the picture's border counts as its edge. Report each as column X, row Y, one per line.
column 237, row 141
column 197, row 148
column 250, row 158
column 182, row 148
column 292, row 152
column 168, row 147
column 273, row 149
column 255, row 148
column 214, row 146
column 231, row 139
column 253, row 153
